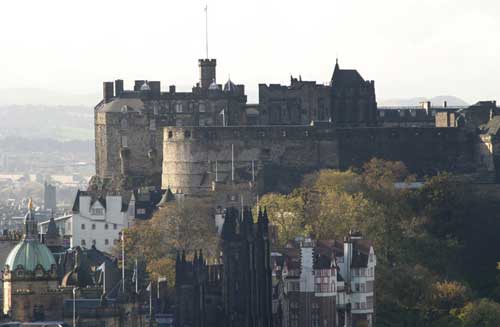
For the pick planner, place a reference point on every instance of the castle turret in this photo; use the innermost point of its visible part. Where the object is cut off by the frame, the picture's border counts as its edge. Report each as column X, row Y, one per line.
column 207, row 72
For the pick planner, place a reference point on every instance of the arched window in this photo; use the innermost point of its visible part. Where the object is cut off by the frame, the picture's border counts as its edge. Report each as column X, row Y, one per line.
column 124, row 123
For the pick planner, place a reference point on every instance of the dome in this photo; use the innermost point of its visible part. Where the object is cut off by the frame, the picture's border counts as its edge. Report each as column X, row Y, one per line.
column 229, row 86
column 145, row 87
column 30, row 253
column 213, row 86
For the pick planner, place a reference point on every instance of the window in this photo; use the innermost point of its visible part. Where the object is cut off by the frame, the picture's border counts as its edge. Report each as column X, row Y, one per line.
column 362, row 288
column 83, row 243
column 124, row 141
column 106, row 226
column 93, row 226
column 152, row 124
column 83, row 226
column 202, row 107
column 178, row 107
column 187, row 134
column 106, row 242
column 356, row 287
column 115, row 226
column 124, row 123
column 170, row 134
column 93, row 242
column 97, row 212
column 141, row 211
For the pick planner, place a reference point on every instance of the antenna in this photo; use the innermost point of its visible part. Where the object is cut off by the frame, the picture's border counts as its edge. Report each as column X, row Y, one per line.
column 253, row 172
column 232, row 162
column 206, row 29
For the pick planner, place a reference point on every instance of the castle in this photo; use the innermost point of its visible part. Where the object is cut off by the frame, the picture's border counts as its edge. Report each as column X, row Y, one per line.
column 189, row 142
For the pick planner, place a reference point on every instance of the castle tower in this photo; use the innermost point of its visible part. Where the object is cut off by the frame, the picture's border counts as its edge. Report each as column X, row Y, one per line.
column 207, row 72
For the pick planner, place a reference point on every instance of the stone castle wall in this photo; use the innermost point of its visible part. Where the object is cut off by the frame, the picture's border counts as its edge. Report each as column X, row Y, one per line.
column 193, row 157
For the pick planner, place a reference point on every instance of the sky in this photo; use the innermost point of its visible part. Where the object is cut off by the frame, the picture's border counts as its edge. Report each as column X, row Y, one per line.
column 410, row 48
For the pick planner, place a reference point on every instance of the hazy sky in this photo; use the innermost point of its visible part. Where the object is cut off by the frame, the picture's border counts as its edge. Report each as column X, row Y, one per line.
column 409, row 47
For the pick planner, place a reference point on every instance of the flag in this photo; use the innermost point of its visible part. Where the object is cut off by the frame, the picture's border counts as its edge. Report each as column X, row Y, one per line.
column 149, row 287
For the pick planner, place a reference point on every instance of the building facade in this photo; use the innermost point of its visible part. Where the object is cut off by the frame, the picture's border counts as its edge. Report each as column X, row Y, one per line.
column 98, row 221
column 236, row 293
column 128, row 124
column 325, row 283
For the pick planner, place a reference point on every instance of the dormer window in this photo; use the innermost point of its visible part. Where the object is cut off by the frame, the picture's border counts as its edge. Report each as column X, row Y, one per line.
column 97, row 212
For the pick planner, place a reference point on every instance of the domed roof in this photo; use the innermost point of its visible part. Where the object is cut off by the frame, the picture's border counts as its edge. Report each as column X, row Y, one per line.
column 145, row 87
column 213, row 86
column 30, row 253
column 229, row 86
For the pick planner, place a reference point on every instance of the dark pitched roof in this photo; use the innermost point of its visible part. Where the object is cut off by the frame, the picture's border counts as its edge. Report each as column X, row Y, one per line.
column 346, row 77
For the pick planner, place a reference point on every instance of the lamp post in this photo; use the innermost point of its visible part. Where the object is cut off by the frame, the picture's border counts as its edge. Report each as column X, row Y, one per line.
column 74, row 305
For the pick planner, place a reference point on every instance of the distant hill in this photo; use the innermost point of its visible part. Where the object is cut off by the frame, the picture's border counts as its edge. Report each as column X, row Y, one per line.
column 33, row 96
column 61, row 123
column 437, row 101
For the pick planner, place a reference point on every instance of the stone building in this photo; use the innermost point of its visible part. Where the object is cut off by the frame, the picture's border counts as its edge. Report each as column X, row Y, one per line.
column 129, row 123
column 325, row 283
column 348, row 100
column 30, row 280
column 237, row 293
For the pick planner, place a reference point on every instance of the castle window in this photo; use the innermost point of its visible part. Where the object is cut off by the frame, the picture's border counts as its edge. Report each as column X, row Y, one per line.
column 83, row 243
column 152, row 124
column 170, row 134
column 124, row 141
column 187, row 134
column 106, row 242
column 83, row 226
column 178, row 107
column 106, row 226
column 124, row 123
column 93, row 226
column 202, row 107
column 115, row 226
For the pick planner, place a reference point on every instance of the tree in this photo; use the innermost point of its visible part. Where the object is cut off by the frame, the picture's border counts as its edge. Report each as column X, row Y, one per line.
column 185, row 226
column 481, row 313
column 286, row 212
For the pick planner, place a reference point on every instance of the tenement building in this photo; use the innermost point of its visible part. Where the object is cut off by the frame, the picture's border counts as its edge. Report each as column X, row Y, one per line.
column 324, row 283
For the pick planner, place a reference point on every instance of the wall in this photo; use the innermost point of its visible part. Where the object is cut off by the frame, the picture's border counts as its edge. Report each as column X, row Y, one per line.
column 282, row 154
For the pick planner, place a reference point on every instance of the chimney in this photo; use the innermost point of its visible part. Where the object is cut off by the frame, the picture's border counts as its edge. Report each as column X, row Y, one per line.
column 138, row 84
column 118, row 87
column 445, row 104
column 171, row 89
column 107, row 91
column 155, row 88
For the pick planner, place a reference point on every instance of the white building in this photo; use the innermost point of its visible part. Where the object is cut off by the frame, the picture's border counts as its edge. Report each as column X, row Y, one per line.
column 98, row 221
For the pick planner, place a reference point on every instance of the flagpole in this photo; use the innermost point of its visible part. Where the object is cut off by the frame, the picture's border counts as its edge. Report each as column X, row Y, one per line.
column 104, row 279
column 123, row 261
column 206, row 29
column 136, row 278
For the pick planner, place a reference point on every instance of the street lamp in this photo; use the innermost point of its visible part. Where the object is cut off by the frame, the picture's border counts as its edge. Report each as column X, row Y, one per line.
column 74, row 305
